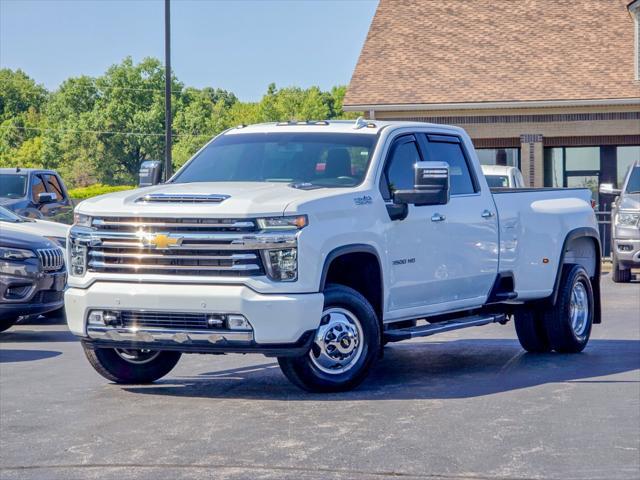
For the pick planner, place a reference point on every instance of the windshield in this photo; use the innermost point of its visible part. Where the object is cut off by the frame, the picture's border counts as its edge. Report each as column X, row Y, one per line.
column 323, row 159
column 633, row 185
column 497, row 180
column 12, row 185
column 8, row 216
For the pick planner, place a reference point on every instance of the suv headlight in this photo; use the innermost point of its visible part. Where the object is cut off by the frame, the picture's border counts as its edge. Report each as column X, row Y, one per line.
column 15, row 254
column 627, row 219
column 77, row 258
column 281, row 265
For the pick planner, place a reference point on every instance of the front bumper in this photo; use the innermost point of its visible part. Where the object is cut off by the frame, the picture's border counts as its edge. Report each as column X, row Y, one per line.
column 280, row 323
column 627, row 252
column 44, row 293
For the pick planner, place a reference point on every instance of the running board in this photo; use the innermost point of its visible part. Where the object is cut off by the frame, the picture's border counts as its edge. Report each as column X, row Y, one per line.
column 445, row 326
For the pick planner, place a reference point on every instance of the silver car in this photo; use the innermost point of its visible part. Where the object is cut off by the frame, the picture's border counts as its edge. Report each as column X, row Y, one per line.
column 625, row 231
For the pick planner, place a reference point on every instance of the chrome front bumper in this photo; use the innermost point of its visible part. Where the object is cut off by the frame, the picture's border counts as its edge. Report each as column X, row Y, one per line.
column 189, row 337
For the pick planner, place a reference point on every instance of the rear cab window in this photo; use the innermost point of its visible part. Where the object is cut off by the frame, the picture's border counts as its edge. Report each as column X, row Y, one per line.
column 449, row 149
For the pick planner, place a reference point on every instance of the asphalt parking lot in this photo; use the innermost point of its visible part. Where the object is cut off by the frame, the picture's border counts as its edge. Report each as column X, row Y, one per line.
column 464, row 405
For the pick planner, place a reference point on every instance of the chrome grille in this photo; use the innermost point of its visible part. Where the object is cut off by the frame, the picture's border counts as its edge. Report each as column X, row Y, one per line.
column 51, row 259
column 171, row 320
column 172, row 246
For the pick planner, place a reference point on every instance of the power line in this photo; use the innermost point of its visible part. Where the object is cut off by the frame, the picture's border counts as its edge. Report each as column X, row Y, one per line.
column 133, row 89
column 104, row 132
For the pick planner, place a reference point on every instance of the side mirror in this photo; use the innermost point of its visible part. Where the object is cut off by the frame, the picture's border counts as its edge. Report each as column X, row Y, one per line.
column 47, row 197
column 607, row 189
column 431, row 185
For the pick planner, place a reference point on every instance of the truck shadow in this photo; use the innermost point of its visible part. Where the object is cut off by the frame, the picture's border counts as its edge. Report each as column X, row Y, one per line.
column 13, row 356
column 444, row 370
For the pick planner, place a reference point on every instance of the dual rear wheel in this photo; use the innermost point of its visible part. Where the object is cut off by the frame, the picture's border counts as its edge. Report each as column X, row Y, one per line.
column 564, row 327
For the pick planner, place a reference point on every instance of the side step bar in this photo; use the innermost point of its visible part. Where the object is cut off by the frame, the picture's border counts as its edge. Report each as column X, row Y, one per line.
column 445, row 326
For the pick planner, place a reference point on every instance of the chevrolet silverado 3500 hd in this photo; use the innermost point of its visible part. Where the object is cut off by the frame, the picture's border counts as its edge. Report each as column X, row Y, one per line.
column 318, row 242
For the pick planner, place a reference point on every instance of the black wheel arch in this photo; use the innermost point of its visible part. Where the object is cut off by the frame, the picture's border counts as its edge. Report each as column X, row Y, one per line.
column 344, row 250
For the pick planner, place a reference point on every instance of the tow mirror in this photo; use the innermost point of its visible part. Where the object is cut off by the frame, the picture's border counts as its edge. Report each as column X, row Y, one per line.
column 431, row 185
column 607, row 189
column 47, row 197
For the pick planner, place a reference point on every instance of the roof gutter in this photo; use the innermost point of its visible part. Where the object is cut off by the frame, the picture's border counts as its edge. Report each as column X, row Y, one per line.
column 489, row 105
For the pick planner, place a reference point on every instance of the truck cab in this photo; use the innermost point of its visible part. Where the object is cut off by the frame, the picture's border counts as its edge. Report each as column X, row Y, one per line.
column 34, row 193
column 318, row 242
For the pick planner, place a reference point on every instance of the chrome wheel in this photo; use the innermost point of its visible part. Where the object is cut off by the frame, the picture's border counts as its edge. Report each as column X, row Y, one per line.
column 338, row 343
column 579, row 309
column 138, row 357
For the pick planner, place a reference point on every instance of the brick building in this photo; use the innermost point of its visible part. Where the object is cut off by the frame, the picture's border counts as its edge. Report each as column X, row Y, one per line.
column 551, row 86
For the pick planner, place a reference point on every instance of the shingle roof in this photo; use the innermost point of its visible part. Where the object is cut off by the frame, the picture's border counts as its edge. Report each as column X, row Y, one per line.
column 464, row 51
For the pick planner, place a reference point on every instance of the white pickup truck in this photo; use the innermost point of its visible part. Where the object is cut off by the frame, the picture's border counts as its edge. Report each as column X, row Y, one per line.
column 319, row 242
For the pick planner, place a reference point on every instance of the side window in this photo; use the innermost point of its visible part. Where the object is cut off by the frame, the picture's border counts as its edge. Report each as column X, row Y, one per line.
column 460, row 177
column 53, row 185
column 37, row 186
column 400, row 166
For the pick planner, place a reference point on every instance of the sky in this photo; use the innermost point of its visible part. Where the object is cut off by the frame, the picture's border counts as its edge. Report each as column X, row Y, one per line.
column 240, row 45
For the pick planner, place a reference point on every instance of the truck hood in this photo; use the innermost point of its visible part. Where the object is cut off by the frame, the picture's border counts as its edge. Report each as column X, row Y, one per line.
column 245, row 199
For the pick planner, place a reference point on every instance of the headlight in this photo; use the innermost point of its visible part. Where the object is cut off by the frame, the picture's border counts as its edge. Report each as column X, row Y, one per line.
column 282, row 264
column 283, row 223
column 15, row 254
column 627, row 219
column 81, row 220
column 77, row 258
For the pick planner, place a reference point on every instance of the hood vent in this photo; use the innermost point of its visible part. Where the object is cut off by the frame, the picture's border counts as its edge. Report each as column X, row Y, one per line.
column 182, row 198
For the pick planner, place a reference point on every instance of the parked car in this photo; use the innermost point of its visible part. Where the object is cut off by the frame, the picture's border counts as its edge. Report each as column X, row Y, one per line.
column 32, row 276
column 251, row 248
column 54, row 231
column 625, row 219
column 34, row 193
column 502, row 176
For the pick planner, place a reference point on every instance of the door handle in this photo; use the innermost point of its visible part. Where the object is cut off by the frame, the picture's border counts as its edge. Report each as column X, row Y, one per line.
column 487, row 214
column 436, row 217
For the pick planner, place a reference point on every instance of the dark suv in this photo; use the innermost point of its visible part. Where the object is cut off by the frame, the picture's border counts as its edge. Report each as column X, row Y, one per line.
column 35, row 193
column 32, row 276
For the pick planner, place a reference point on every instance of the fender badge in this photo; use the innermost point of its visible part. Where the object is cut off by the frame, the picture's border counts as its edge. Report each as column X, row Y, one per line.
column 364, row 200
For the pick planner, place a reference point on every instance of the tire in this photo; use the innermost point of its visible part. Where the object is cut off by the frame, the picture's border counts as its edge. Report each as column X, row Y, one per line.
column 7, row 323
column 532, row 331
column 619, row 275
column 569, row 327
column 113, row 364
column 345, row 312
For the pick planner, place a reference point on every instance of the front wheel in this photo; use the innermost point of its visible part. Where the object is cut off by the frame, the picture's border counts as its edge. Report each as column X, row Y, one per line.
column 345, row 346
column 619, row 275
column 131, row 365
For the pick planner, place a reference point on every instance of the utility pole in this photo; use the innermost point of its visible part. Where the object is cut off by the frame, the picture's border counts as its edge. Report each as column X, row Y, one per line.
column 168, row 168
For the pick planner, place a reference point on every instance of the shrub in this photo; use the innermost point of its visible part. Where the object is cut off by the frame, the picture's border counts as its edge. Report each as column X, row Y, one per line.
column 83, row 193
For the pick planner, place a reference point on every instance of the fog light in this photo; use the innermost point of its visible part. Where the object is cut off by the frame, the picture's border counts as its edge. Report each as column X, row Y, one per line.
column 214, row 321
column 238, row 322
column 95, row 317
column 625, row 248
column 111, row 319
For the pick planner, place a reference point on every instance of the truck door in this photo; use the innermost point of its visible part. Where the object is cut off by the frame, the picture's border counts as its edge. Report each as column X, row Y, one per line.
column 417, row 242
column 470, row 260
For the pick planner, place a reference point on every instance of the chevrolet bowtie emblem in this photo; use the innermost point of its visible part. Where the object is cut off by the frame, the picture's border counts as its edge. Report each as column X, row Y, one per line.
column 162, row 241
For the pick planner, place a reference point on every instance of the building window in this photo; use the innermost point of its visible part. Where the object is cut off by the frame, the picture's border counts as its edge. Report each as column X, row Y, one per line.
column 586, row 167
column 499, row 156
